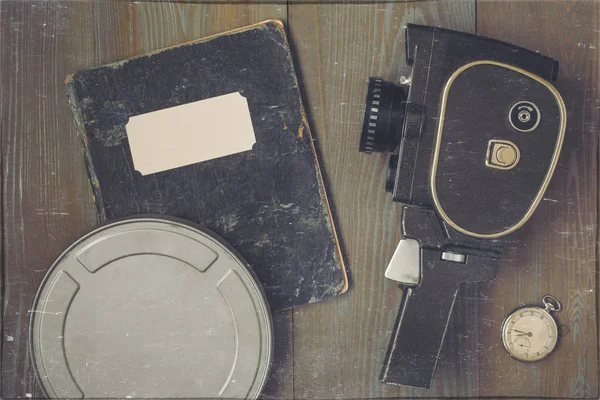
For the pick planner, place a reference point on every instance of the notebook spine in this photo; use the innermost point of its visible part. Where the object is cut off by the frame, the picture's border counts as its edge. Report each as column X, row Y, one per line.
column 81, row 133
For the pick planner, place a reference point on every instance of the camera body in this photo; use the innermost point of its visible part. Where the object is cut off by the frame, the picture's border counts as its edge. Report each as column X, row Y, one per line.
column 474, row 135
column 456, row 134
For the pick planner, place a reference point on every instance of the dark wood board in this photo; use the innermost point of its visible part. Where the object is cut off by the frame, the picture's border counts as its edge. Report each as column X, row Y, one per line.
column 336, row 59
column 48, row 203
column 338, row 346
column 557, row 249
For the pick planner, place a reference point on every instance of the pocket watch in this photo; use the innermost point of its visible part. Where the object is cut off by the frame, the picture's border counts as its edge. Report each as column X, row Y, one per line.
column 530, row 333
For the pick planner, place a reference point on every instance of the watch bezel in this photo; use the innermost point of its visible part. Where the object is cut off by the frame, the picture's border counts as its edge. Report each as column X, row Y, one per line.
column 507, row 347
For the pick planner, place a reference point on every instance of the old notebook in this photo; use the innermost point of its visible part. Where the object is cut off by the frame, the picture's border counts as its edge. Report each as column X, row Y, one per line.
column 268, row 202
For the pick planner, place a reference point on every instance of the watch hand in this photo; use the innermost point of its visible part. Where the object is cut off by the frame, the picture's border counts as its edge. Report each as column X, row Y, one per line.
column 523, row 333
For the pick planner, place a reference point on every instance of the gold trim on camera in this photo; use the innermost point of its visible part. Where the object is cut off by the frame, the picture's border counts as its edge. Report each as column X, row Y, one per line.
column 553, row 162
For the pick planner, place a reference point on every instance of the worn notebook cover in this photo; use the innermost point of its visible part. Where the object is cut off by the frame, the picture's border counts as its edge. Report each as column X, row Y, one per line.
column 269, row 202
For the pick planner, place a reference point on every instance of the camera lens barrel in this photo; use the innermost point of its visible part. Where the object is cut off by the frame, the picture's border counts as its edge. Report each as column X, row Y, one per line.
column 384, row 117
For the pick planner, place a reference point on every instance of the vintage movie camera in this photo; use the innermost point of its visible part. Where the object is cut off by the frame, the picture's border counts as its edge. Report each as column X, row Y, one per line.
column 474, row 133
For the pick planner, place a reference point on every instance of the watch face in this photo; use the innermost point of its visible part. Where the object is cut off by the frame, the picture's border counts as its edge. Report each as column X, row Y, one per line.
column 529, row 334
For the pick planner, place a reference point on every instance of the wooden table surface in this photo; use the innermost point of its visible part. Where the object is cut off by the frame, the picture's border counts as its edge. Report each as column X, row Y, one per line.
column 332, row 349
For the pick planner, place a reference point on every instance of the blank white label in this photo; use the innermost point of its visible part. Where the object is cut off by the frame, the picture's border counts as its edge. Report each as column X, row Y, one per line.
column 190, row 133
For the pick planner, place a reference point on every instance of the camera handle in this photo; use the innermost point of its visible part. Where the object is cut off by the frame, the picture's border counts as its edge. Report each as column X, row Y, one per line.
column 426, row 307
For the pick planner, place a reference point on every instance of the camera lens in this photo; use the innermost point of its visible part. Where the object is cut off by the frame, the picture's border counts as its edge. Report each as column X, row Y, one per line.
column 384, row 117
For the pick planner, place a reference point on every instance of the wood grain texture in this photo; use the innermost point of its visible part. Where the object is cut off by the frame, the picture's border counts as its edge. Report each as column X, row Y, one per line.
column 162, row 24
column 557, row 250
column 339, row 345
column 46, row 200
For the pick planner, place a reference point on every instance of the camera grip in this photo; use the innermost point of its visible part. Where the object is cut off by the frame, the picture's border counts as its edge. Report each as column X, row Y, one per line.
column 424, row 314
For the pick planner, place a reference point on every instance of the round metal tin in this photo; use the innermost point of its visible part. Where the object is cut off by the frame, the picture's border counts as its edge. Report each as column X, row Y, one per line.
column 151, row 308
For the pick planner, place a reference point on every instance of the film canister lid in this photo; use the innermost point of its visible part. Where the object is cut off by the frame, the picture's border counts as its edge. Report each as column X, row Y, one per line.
column 151, row 308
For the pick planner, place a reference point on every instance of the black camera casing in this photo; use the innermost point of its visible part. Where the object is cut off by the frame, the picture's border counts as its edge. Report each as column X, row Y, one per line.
column 474, row 134
column 489, row 77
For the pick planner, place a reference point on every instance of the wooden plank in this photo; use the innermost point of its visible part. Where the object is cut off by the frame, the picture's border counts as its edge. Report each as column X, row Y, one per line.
column 161, row 24
column 339, row 345
column 557, row 249
column 46, row 200
column 112, row 31
column 281, row 381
